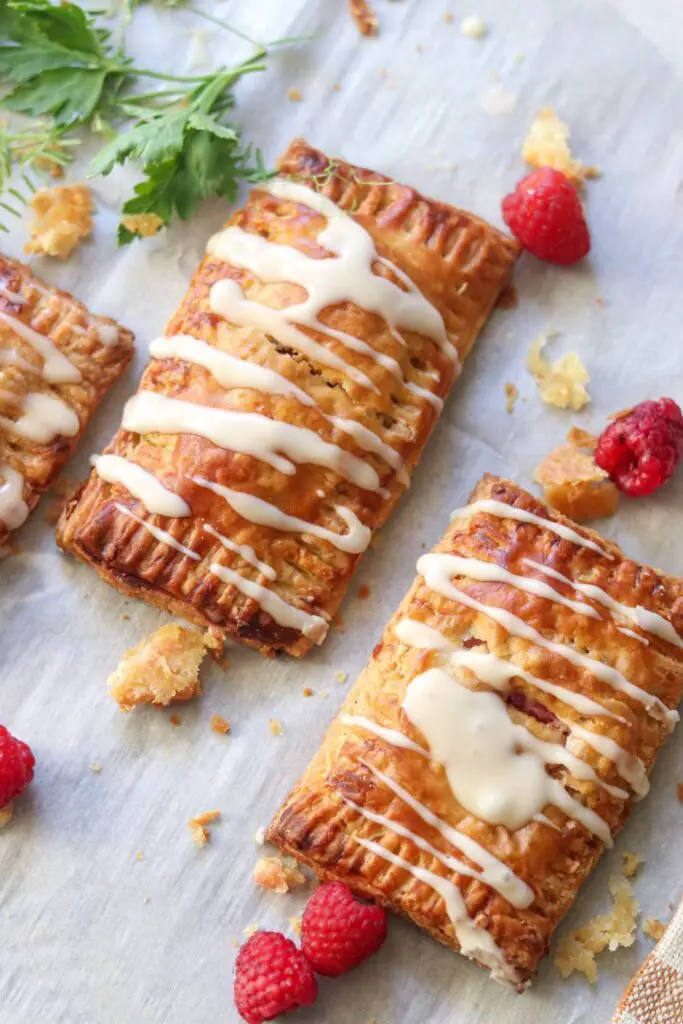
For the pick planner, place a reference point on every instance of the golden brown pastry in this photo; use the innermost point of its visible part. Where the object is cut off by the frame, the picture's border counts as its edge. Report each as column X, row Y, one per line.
column 288, row 402
column 500, row 734
column 57, row 361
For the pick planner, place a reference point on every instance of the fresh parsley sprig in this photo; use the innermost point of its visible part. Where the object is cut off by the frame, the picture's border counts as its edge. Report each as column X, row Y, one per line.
column 61, row 63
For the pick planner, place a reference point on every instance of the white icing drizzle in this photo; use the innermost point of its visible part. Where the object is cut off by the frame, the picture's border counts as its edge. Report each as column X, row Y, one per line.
column 493, row 871
column 635, row 636
column 142, row 484
column 437, row 572
column 245, row 551
column 13, row 509
column 57, row 369
column 108, row 334
column 14, row 297
column 489, row 572
column 262, row 513
column 161, row 535
column 650, row 622
column 245, row 432
column 43, row 417
column 628, row 765
column 231, row 372
column 285, row 614
column 8, row 357
column 505, row 511
column 418, row 634
column 495, row 768
column 392, row 736
column 475, row 942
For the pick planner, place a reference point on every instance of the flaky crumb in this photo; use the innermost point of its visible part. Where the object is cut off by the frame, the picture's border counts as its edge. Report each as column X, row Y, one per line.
column 250, row 930
column 220, row 725
column 574, row 484
column 679, row 791
column 473, row 27
column 632, row 862
column 341, row 677
column 547, row 145
column 139, row 855
column 653, row 928
column 274, row 874
column 561, row 383
column 511, row 396
column 63, row 218
column 576, row 952
column 143, row 224
column 198, row 826
column 364, row 17
column 294, row 94
column 275, row 727
column 260, row 836
column 6, row 813
column 295, row 925
column 449, row 18
column 161, row 670
column 175, row 720
column 95, row 767
column 364, row 592
column 308, row 692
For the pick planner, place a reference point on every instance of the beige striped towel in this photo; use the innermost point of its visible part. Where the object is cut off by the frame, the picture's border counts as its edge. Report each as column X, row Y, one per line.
column 655, row 995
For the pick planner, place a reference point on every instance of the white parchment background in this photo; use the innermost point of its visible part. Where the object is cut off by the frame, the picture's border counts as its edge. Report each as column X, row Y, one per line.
column 88, row 933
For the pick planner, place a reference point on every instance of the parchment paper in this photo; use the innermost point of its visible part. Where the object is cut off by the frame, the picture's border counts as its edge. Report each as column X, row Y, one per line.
column 89, row 934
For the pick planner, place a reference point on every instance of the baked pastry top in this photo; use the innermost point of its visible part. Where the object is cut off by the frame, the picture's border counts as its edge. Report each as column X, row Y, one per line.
column 282, row 413
column 57, row 361
column 500, row 734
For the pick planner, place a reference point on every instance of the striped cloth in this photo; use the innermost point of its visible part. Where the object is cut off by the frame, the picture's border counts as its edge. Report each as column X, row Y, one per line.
column 655, row 995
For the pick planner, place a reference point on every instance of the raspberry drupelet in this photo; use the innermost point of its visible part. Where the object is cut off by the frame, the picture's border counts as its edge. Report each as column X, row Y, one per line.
column 641, row 448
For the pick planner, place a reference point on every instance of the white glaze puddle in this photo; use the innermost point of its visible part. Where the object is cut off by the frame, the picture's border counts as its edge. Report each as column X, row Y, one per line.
column 142, row 484
column 492, row 871
column 245, row 551
column 287, row 615
column 650, row 622
column 262, row 513
column 57, row 369
column 274, row 442
column 161, row 535
column 505, row 511
column 13, row 509
column 437, row 572
column 495, row 768
column 231, row 372
column 43, row 418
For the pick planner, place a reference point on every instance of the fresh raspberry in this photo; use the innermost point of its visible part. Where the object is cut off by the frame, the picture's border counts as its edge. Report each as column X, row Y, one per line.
column 338, row 932
column 545, row 214
column 16, row 766
column 272, row 977
column 641, row 449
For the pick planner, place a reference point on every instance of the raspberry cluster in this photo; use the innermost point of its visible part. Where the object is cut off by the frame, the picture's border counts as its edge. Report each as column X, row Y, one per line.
column 641, row 448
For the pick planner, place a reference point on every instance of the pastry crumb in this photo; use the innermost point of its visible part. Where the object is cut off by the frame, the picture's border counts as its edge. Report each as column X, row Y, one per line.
column 62, row 219
column 139, row 855
column 161, row 670
column 574, row 484
column 295, row 925
column 95, row 767
column 449, row 18
column 6, row 813
column 679, row 791
column 275, row 727
column 295, row 95
column 145, row 225
column 250, row 930
column 547, row 145
column 496, row 101
column 364, row 17
column 260, row 836
column 632, row 862
column 336, row 87
column 274, row 874
column 561, row 383
column 576, row 952
column 220, row 725
column 235, row 943
column 198, row 826
column 653, row 928
column 308, row 692
column 364, row 592
column 473, row 27
column 511, row 396
column 341, row 677
column 175, row 720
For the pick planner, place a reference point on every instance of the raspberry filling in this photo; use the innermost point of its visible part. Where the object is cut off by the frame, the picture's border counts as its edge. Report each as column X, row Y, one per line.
column 641, row 449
